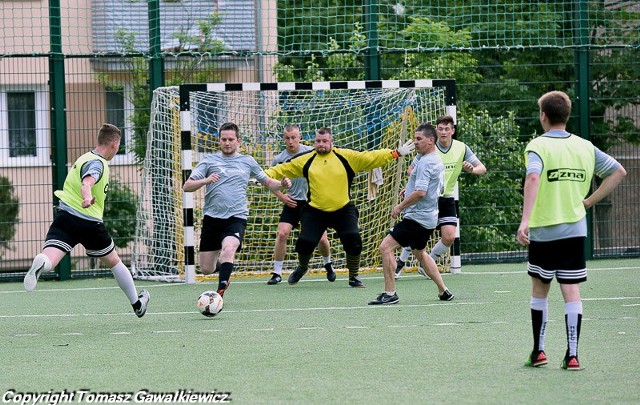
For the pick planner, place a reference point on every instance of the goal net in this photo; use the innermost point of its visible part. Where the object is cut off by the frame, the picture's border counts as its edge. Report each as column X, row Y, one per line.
column 362, row 115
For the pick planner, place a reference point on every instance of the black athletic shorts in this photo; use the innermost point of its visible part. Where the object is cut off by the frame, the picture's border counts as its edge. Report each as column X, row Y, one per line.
column 314, row 222
column 447, row 212
column 562, row 258
column 292, row 215
column 67, row 230
column 214, row 230
column 410, row 233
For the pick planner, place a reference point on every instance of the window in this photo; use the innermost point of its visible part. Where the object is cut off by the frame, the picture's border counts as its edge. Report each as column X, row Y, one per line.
column 119, row 112
column 23, row 127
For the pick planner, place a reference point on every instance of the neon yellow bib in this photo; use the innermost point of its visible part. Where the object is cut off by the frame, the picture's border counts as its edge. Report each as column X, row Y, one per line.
column 565, row 179
column 71, row 191
column 452, row 160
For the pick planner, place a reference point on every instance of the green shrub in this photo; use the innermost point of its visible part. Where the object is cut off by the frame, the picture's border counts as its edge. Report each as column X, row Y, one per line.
column 9, row 208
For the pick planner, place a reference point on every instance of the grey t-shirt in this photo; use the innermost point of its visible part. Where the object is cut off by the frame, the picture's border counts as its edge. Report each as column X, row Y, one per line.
column 427, row 175
column 227, row 197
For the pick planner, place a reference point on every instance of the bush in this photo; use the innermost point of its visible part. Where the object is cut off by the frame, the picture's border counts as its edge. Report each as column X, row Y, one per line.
column 9, row 208
column 120, row 213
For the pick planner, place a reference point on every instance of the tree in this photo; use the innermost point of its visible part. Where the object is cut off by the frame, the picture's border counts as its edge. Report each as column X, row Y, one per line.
column 489, row 220
column 9, row 209
column 186, row 68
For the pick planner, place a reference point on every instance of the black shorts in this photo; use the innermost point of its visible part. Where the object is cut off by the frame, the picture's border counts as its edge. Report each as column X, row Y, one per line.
column 214, row 230
column 562, row 258
column 410, row 233
column 292, row 215
column 447, row 214
column 314, row 222
column 68, row 230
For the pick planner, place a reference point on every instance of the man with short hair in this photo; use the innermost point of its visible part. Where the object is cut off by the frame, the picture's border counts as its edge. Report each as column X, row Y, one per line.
column 78, row 220
column 294, row 200
column 420, row 206
column 329, row 172
column 225, row 175
column 457, row 156
column 560, row 168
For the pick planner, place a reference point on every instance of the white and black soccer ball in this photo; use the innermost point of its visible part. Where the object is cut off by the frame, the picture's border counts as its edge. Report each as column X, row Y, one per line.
column 210, row 303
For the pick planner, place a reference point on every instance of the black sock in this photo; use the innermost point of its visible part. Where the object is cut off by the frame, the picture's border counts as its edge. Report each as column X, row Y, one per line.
column 224, row 274
column 303, row 261
column 536, row 325
column 136, row 305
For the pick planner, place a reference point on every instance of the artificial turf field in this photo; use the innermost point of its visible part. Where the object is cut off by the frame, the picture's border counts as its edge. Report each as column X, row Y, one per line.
column 319, row 342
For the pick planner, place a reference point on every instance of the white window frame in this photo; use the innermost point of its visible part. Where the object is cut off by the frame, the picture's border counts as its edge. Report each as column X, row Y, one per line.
column 128, row 158
column 43, row 150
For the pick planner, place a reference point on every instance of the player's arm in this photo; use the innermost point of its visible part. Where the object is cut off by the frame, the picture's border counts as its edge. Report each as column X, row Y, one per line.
column 472, row 164
column 478, row 168
column 411, row 199
column 194, row 184
column 290, row 169
column 531, row 185
column 85, row 190
column 276, row 186
column 285, row 198
column 611, row 171
column 91, row 173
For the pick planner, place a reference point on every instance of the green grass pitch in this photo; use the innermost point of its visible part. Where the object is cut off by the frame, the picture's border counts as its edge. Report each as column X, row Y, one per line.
column 319, row 342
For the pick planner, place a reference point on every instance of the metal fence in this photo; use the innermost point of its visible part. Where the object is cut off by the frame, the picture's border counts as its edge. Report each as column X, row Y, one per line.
column 67, row 67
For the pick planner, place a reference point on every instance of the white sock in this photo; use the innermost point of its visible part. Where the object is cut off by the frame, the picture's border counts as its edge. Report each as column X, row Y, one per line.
column 390, row 292
column 125, row 281
column 573, row 310
column 404, row 255
column 47, row 263
column 277, row 266
column 438, row 250
column 327, row 259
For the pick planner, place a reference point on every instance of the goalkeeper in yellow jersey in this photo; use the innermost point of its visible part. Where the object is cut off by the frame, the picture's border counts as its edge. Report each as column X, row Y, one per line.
column 329, row 172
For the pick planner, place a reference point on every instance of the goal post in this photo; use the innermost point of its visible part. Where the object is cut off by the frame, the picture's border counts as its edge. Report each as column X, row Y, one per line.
column 363, row 115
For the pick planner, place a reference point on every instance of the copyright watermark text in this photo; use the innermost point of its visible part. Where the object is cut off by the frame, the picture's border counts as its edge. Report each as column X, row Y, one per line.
column 142, row 396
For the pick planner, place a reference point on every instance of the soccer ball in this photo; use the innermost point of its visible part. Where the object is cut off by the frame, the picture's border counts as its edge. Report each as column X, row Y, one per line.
column 210, row 303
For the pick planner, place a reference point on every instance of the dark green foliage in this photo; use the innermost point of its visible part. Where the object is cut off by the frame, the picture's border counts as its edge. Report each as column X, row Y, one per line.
column 120, row 213
column 9, row 208
column 490, row 204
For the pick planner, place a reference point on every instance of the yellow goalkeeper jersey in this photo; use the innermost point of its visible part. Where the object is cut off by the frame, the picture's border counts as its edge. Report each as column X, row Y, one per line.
column 330, row 175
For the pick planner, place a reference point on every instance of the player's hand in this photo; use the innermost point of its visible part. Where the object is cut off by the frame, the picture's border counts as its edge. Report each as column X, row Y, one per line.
column 88, row 202
column 467, row 167
column 285, row 183
column 523, row 234
column 289, row 201
column 404, row 149
column 401, row 193
column 395, row 211
column 213, row 178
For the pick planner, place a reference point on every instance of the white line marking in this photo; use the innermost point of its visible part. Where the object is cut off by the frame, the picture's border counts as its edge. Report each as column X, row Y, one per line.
column 212, row 330
column 310, row 280
column 310, row 328
column 446, row 324
column 72, row 334
column 26, row 334
column 403, row 326
column 502, row 292
column 262, row 330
